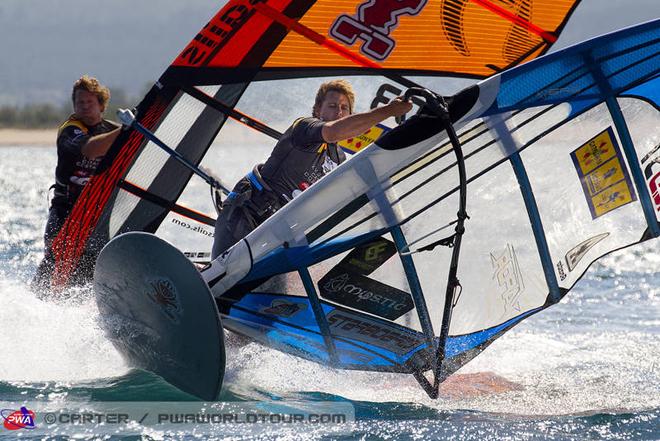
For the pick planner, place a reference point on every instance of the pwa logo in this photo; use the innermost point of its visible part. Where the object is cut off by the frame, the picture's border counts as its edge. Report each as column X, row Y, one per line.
column 18, row 419
column 373, row 23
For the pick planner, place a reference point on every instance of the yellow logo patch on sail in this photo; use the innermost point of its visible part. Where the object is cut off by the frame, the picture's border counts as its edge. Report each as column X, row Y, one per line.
column 354, row 145
column 603, row 174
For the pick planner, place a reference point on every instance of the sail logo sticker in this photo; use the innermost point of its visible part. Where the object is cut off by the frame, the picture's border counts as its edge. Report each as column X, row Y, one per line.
column 354, row 145
column 389, row 337
column 576, row 254
column 560, row 271
column 283, row 308
column 368, row 257
column 335, row 284
column 374, row 251
column 603, row 174
column 217, row 33
column 202, row 257
column 360, row 292
column 164, row 295
column 373, row 23
column 654, row 186
column 652, row 167
column 18, row 419
column 508, row 276
column 194, row 228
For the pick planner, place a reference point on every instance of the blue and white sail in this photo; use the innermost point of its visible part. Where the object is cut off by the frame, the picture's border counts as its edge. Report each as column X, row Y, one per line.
column 563, row 167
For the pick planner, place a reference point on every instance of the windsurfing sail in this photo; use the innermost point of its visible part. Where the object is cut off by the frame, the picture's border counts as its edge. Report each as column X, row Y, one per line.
column 563, row 166
column 257, row 52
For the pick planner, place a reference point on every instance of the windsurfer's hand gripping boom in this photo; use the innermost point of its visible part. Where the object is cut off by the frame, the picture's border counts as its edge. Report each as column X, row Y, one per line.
column 353, row 125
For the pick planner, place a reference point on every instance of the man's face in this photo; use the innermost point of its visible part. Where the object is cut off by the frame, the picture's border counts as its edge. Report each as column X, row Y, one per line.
column 87, row 108
column 335, row 105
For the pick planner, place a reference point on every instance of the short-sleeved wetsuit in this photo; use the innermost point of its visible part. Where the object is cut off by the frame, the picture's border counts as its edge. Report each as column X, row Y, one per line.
column 73, row 171
column 300, row 158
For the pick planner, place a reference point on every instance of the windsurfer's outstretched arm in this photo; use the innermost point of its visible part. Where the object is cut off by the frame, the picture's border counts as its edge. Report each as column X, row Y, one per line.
column 353, row 125
column 100, row 144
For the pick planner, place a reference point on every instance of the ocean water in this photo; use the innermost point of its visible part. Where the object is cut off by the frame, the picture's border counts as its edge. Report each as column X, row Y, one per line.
column 587, row 368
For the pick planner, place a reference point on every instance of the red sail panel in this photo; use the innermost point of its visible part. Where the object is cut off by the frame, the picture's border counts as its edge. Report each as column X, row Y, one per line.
column 230, row 35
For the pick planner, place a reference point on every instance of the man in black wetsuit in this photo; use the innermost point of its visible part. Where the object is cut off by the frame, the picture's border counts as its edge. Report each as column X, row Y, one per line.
column 304, row 154
column 82, row 141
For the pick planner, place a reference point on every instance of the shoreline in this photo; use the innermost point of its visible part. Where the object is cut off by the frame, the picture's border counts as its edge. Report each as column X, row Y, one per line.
column 27, row 137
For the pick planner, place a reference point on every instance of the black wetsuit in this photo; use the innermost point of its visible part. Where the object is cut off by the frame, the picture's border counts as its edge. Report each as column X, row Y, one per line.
column 73, row 171
column 300, row 158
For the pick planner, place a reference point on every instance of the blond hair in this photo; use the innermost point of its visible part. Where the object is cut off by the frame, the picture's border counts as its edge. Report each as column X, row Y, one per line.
column 92, row 85
column 341, row 86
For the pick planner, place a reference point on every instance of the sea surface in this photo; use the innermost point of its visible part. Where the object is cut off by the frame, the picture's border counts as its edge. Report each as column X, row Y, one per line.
column 587, row 368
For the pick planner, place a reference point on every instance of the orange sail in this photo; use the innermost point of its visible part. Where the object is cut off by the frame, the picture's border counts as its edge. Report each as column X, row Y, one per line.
column 473, row 38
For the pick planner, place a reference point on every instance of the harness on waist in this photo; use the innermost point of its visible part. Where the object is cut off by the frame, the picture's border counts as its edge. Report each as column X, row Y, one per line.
column 64, row 194
column 254, row 196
